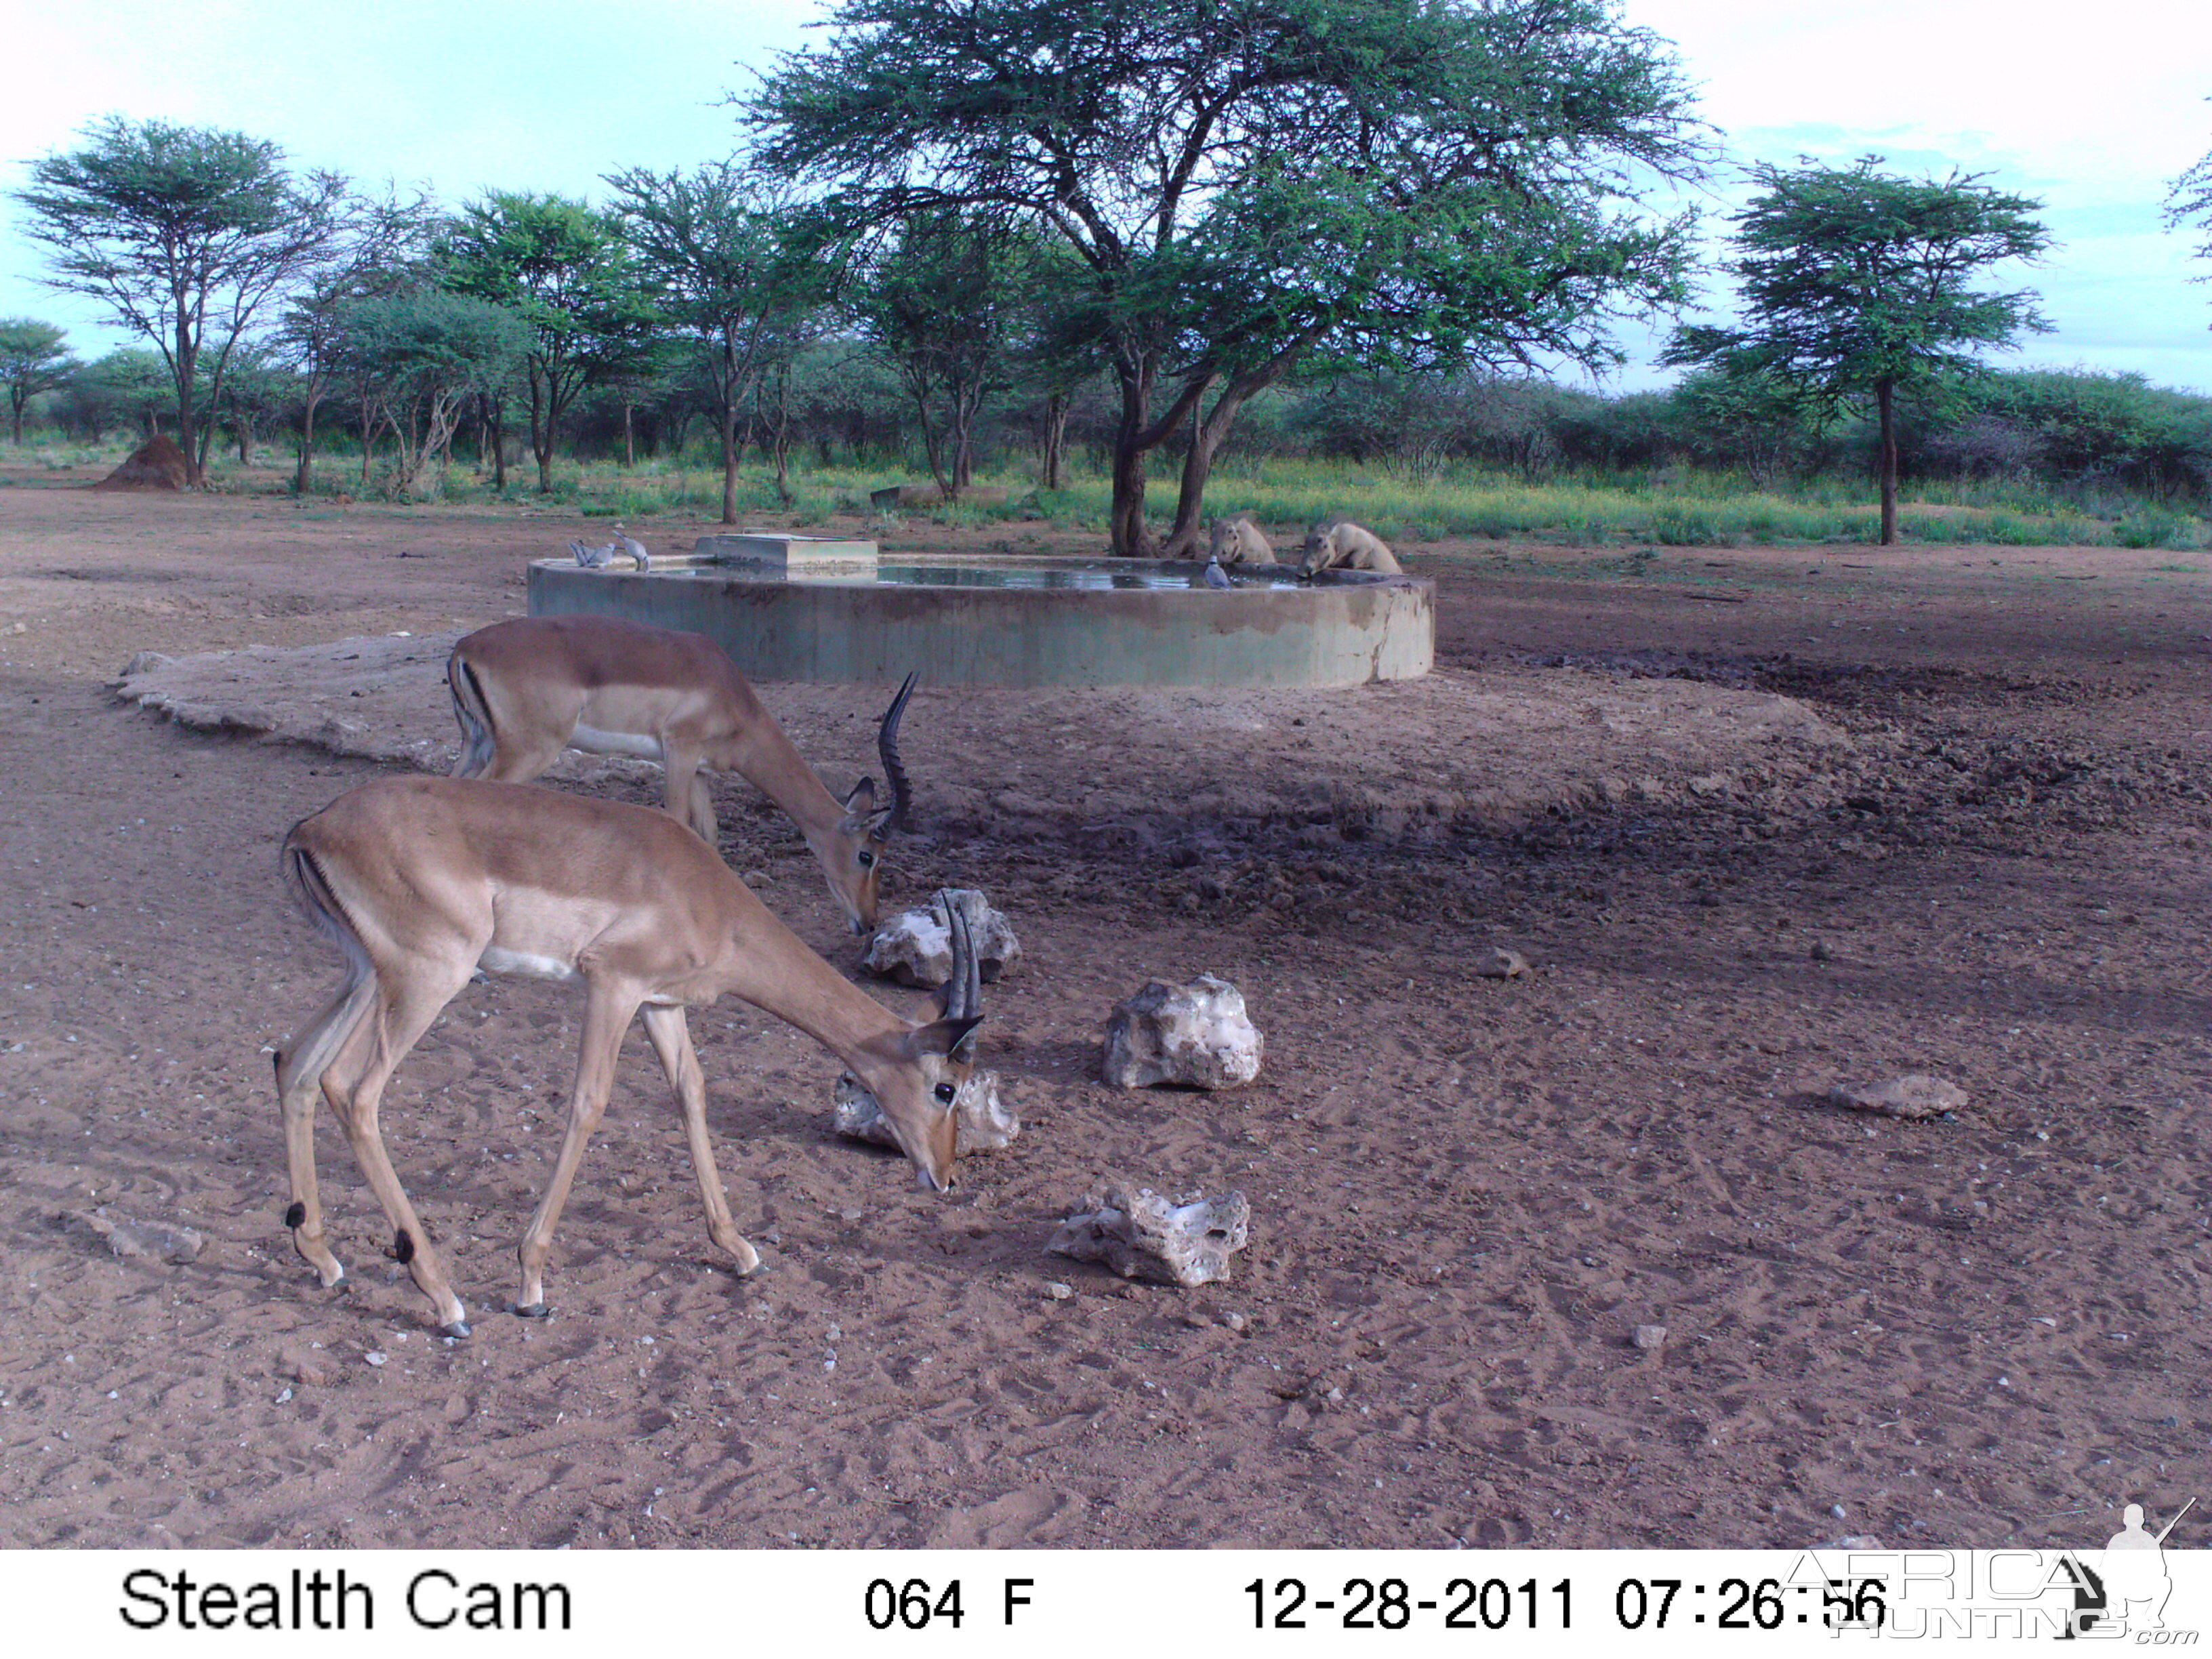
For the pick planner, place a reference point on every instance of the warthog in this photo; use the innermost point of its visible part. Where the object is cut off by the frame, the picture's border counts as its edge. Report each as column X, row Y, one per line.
column 1238, row 540
column 1337, row 543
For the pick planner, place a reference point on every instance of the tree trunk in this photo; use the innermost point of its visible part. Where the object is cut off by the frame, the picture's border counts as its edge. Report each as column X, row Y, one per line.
column 729, row 435
column 629, row 438
column 184, row 366
column 1130, row 540
column 1884, row 392
column 1205, row 438
column 244, row 439
column 16, row 404
column 1056, row 439
column 495, row 418
column 541, row 434
column 303, row 476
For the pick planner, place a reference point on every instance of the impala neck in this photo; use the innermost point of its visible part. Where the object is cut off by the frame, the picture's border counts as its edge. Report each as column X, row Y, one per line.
column 776, row 971
column 765, row 758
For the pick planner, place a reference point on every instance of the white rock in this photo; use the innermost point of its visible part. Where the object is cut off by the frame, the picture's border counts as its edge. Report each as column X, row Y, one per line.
column 987, row 1122
column 1915, row 1095
column 142, row 1241
column 1139, row 1235
column 917, row 948
column 1649, row 1337
column 1196, row 1035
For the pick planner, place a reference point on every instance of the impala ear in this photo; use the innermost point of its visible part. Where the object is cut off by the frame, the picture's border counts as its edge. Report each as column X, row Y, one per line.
column 953, row 1036
column 862, row 800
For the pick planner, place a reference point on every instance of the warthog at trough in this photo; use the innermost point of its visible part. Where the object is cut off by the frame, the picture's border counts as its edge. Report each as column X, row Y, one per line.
column 1337, row 543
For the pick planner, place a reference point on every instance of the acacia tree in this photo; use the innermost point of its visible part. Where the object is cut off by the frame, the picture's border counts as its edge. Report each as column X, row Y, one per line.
column 376, row 250
column 561, row 267
column 723, row 255
column 944, row 305
column 179, row 231
column 1248, row 181
column 33, row 358
column 1857, row 283
column 418, row 360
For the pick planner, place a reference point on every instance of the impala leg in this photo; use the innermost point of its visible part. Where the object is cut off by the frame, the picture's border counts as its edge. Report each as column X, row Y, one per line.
column 671, row 1039
column 300, row 1070
column 606, row 1016
column 519, row 761
column 354, row 1087
column 688, row 795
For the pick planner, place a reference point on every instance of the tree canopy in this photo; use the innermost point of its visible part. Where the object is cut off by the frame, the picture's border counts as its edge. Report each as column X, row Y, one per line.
column 178, row 231
column 1856, row 282
column 561, row 266
column 1245, row 183
column 34, row 357
column 729, row 267
column 418, row 357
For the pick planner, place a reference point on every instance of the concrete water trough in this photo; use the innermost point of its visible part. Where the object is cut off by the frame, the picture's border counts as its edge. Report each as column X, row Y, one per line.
column 803, row 608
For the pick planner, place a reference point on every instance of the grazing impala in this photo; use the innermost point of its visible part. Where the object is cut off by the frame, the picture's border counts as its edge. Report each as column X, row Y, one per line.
column 418, row 881
column 526, row 689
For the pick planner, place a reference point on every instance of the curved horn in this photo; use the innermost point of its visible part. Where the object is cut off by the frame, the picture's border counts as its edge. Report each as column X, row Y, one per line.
column 887, row 746
column 963, row 995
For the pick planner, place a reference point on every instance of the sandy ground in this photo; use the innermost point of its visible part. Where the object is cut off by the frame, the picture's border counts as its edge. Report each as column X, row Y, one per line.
column 1763, row 821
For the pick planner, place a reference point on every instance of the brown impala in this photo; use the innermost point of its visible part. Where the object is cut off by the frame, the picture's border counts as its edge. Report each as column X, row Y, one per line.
column 526, row 689
column 419, row 881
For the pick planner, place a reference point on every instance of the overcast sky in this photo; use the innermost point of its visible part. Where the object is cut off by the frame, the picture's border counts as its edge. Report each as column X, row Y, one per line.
column 2092, row 118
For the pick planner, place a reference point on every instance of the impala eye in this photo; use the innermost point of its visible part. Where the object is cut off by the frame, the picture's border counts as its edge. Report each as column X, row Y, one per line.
column 946, row 1092
column 867, row 860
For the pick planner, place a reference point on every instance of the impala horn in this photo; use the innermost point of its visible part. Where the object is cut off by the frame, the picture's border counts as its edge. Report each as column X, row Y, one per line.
column 962, row 997
column 887, row 746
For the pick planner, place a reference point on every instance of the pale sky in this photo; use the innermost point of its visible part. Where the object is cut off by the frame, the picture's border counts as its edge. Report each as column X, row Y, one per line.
column 2093, row 117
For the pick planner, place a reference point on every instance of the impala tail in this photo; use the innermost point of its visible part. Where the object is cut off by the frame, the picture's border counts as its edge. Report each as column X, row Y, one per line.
column 474, row 716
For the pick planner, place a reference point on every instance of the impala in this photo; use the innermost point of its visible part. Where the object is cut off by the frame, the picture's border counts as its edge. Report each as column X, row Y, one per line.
column 526, row 689
column 419, row 881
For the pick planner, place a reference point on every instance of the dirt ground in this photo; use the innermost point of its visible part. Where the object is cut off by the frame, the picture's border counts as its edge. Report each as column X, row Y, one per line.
column 1762, row 822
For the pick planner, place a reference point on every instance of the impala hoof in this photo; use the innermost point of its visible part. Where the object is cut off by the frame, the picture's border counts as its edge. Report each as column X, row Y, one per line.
column 456, row 1332
column 534, row 1310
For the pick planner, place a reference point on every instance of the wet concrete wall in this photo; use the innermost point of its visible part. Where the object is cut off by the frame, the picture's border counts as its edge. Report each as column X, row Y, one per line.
column 1347, row 628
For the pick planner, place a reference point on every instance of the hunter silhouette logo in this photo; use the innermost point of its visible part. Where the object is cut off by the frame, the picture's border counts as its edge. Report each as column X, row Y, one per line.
column 2127, row 1590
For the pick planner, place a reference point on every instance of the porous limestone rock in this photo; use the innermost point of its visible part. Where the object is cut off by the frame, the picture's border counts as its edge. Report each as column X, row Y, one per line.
column 1913, row 1096
column 1196, row 1035
column 917, row 948
column 987, row 1123
column 1140, row 1235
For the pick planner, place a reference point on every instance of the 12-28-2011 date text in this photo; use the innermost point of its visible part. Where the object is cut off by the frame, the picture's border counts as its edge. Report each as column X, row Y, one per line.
column 1392, row 1604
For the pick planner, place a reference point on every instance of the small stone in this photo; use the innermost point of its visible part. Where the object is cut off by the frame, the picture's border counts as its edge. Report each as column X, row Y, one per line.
column 141, row 662
column 142, row 1240
column 1836, row 1510
column 1649, row 1337
column 757, row 877
column 917, row 948
column 1823, row 952
column 375, row 1359
column 1236, row 1321
column 1495, row 962
column 1138, row 1234
column 1916, row 1095
column 1056, row 1291
column 1196, row 1036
